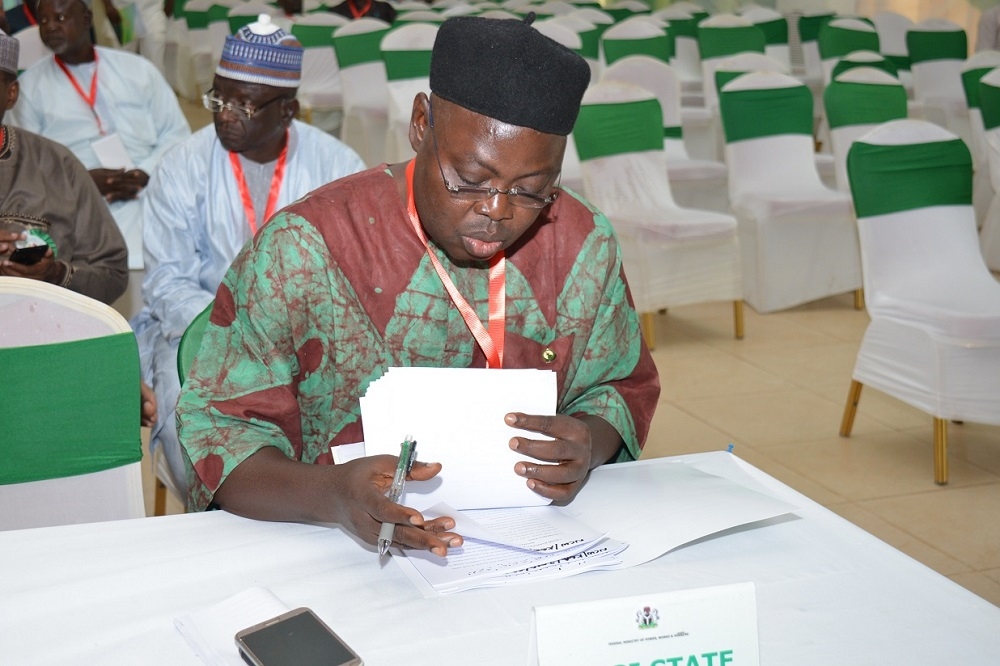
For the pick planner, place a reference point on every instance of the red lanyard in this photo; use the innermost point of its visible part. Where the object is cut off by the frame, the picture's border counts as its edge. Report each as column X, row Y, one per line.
column 29, row 15
column 272, row 197
column 358, row 13
column 490, row 341
column 90, row 99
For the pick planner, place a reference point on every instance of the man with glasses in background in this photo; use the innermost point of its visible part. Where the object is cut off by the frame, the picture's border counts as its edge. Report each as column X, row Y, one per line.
column 211, row 194
column 470, row 255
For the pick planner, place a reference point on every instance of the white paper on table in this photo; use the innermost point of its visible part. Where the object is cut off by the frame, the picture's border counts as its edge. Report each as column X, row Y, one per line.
column 543, row 529
column 347, row 452
column 111, row 152
column 211, row 632
column 456, row 416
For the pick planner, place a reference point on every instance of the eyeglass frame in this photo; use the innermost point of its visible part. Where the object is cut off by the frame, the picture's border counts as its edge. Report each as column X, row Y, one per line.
column 484, row 193
column 248, row 111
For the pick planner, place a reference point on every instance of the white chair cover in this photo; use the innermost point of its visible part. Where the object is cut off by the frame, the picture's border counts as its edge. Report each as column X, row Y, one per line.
column 978, row 64
column 687, row 60
column 402, row 89
column 581, row 27
column 798, row 237
column 892, row 28
column 937, row 78
column 32, row 48
column 320, row 89
column 766, row 16
column 499, row 14
column 847, row 26
column 365, row 95
column 36, row 313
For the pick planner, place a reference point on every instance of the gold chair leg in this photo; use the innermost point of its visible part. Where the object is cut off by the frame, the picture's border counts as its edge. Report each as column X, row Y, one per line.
column 940, row 451
column 859, row 299
column 160, row 499
column 738, row 319
column 646, row 323
column 851, row 408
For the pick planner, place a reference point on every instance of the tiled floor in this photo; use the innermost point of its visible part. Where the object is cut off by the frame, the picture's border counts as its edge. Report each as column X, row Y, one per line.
column 778, row 395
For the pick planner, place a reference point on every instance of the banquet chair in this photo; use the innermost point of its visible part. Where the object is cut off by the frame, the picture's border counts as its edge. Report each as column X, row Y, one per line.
column 695, row 183
column 571, row 175
column 977, row 66
column 71, row 439
column 31, row 47
column 177, row 64
column 808, row 26
column 247, row 12
column 686, row 61
column 319, row 90
column 631, row 37
column 856, row 101
column 406, row 51
column 459, row 9
column 892, row 28
column 419, row 16
column 672, row 256
column 364, row 87
column 590, row 41
column 841, row 36
column 989, row 102
column 864, row 59
column 934, row 337
column 499, row 14
column 775, row 29
column 798, row 238
column 937, row 49
column 554, row 8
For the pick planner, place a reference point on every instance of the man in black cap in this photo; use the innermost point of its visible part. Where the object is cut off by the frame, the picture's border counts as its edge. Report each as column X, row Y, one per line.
column 470, row 255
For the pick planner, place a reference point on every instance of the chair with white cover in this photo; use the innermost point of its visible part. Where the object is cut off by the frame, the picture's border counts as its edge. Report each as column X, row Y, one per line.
column 590, row 40
column 554, row 8
column 695, row 183
column 808, row 26
column 798, row 237
column 71, row 440
column 892, row 28
column 632, row 37
column 499, row 14
column 31, row 47
column 978, row 65
column 934, row 337
column 686, row 60
column 938, row 49
column 363, row 86
column 864, row 59
column 406, row 51
column 672, row 256
column 857, row 101
column 178, row 67
column 775, row 29
column 247, row 12
column 419, row 16
column 320, row 89
column 841, row 36
column 989, row 104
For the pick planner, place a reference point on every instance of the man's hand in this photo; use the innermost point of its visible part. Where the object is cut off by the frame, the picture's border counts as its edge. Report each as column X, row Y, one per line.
column 577, row 446
column 46, row 269
column 147, row 406
column 362, row 506
column 119, row 184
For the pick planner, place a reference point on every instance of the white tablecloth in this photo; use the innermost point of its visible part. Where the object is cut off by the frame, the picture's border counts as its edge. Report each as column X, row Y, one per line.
column 827, row 592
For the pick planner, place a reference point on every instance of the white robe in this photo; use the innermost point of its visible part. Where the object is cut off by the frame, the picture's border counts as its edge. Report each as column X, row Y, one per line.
column 133, row 100
column 195, row 226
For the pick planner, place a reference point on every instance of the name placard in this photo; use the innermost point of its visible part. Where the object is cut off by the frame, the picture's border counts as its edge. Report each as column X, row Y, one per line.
column 709, row 626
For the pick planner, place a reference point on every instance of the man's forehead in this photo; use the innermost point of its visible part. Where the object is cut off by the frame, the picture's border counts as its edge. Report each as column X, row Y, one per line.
column 244, row 88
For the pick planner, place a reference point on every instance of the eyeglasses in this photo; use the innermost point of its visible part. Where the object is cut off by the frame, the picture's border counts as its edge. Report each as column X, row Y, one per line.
column 216, row 104
column 472, row 193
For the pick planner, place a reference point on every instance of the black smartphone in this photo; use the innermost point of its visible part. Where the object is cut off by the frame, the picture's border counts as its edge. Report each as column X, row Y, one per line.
column 29, row 255
column 292, row 639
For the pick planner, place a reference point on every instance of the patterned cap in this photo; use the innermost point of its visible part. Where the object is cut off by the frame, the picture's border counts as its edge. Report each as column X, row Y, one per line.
column 262, row 53
column 9, row 50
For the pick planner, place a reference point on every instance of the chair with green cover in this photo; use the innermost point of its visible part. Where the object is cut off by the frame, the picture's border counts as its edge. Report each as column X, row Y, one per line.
column 71, row 437
column 841, row 36
column 590, row 40
column 671, row 255
column 808, row 26
column 686, row 61
column 190, row 342
column 775, row 29
column 247, row 12
column 636, row 37
column 934, row 337
column 892, row 28
column 406, row 52
column 857, row 101
column 419, row 16
column 720, row 37
column 978, row 65
column 938, row 49
column 320, row 92
column 864, row 59
column 798, row 238
column 363, row 87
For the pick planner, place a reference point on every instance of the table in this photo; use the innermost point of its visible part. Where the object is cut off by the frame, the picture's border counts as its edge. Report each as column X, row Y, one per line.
column 827, row 592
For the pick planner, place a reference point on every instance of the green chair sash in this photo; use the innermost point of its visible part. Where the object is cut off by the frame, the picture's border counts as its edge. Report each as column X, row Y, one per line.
column 187, row 349
column 925, row 46
column 890, row 179
column 613, row 129
column 775, row 31
column 722, row 77
column 218, row 13
column 619, row 14
column 684, row 27
column 809, row 26
column 989, row 105
column 237, row 22
column 851, row 103
column 85, row 382
column 359, row 49
column 970, row 83
column 837, row 42
column 673, row 132
column 754, row 114
column 196, row 20
column 312, row 36
column 657, row 47
column 401, row 65
column 846, row 65
column 590, row 43
column 901, row 62
column 720, row 42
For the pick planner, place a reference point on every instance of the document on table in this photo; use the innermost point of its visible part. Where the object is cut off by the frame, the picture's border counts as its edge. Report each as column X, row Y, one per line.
column 624, row 516
column 456, row 415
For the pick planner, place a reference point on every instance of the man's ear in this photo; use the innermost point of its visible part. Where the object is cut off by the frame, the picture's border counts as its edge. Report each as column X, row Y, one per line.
column 11, row 94
column 290, row 110
column 419, row 120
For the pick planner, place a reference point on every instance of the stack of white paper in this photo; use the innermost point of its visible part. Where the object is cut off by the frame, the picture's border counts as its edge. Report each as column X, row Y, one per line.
column 456, row 415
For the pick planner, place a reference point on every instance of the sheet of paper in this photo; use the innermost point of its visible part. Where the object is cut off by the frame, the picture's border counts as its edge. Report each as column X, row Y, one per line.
column 211, row 631
column 540, row 529
column 456, row 416
column 111, row 152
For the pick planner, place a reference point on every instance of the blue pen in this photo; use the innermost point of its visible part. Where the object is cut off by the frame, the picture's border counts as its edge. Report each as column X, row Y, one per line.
column 407, row 454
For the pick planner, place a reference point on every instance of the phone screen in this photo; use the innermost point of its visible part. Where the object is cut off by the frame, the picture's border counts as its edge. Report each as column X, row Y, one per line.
column 301, row 638
column 29, row 255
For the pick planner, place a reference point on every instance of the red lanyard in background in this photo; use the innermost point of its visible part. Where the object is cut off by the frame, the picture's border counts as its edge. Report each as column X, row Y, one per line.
column 91, row 99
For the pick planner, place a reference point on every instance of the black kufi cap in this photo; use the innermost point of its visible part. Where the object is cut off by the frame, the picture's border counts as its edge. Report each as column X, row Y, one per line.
column 505, row 69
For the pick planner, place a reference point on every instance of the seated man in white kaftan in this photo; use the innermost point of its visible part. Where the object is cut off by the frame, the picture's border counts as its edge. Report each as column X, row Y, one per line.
column 211, row 193
column 92, row 100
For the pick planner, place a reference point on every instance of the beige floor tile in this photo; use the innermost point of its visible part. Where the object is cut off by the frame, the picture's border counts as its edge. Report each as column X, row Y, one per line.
column 961, row 522
column 992, row 574
column 711, row 372
column 881, row 464
column 815, row 491
column 802, row 366
column 833, row 316
column 876, row 405
column 979, row 584
column 975, row 443
column 674, row 432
